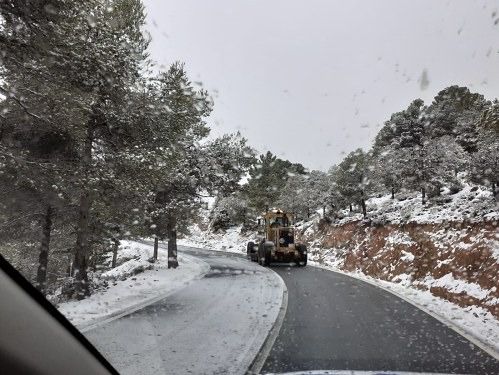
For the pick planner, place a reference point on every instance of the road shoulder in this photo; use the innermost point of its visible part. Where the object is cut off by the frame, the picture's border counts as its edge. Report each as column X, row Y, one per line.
column 135, row 292
column 217, row 324
column 264, row 351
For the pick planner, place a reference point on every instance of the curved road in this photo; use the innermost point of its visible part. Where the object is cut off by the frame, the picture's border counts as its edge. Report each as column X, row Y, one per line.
column 335, row 322
column 214, row 325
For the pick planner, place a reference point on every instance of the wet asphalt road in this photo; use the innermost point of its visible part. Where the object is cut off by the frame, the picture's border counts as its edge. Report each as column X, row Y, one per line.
column 334, row 322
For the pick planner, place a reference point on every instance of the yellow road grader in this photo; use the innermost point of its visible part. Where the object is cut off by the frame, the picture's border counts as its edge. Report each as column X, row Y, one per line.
column 277, row 240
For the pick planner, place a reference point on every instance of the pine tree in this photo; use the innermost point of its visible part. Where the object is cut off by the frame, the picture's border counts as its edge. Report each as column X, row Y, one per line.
column 455, row 111
column 229, row 211
column 293, row 196
column 77, row 100
column 266, row 178
column 351, row 178
column 388, row 167
column 36, row 150
column 318, row 187
column 490, row 118
column 484, row 166
column 107, row 64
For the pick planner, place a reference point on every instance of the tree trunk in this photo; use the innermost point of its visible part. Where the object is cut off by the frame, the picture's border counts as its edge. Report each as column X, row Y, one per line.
column 393, row 192
column 156, row 245
column 363, row 205
column 323, row 211
column 172, row 243
column 494, row 192
column 351, row 208
column 308, row 213
column 43, row 258
column 423, row 195
column 82, row 247
column 116, row 244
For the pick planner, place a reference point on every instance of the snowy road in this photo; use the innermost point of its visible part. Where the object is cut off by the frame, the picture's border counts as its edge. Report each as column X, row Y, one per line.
column 336, row 322
column 215, row 325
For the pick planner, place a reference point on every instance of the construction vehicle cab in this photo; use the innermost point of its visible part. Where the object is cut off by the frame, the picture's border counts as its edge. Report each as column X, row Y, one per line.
column 276, row 242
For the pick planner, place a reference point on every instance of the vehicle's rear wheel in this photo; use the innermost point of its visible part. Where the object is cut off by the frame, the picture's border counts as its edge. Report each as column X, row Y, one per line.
column 259, row 254
column 250, row 251
column 302, row 250
column 268, row 256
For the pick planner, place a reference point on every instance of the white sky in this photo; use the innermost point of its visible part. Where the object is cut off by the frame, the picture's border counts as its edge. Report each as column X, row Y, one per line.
column 311, row 80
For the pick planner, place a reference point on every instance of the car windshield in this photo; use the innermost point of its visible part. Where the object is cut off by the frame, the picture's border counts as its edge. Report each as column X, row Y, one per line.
column 257, row 187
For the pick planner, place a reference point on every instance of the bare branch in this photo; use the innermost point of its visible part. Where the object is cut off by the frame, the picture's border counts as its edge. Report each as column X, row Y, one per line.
column 21, row 104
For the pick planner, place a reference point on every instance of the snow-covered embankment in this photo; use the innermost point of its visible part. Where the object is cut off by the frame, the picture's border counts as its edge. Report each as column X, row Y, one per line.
column 128, row 291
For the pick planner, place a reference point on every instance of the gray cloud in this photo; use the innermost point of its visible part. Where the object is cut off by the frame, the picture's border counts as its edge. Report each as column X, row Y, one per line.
column 311, row 80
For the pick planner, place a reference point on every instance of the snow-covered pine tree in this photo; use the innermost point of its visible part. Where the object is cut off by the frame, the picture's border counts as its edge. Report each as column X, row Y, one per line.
column 303, row 194
column 38, row 154
column 484, row 168
column 293, row 196
column 455, row 112
column 387, row 169
column 318, row 186
column 107, row 50
column 351, row 178
column 189, row 166
column 78, row 61
column 266, row 178
column 228, row 211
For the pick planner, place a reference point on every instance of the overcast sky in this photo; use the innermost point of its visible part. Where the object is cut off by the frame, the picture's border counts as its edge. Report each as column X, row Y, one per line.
column 312, row 80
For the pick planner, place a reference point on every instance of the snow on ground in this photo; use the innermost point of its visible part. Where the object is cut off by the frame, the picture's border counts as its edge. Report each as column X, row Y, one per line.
column 457, row 286
column 220, row 321
column 231, row 240
column 129, row 290
column 471, row 203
